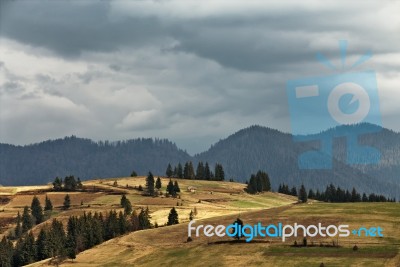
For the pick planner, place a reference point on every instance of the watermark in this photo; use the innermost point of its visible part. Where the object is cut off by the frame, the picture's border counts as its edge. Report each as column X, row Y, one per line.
column 317, row 104
column 280, row 230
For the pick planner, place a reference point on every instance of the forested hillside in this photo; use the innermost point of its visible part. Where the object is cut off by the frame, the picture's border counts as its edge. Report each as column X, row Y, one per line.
column 242, row 153
column 40, row 163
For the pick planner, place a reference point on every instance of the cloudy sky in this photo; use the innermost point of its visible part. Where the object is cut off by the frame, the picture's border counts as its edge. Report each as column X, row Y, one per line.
column 191, row 71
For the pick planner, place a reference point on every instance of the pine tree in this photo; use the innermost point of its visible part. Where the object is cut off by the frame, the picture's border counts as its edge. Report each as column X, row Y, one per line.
column 311, row 194
column 144, row 219
column 18, row 229
column 133, row 174
column 158, row 183
column 176, row 187
column 219, row 172
column 207, row 172
column 171, row 188
column 70, row 248
column 200, row 171
column 6, row 252
column 25, row 252
column 252, row 186
column 126, row 204
column 169, row 172
column 56, row 237
column 37, row 210
column 303, row 194
column 293, row 191
column 173, row 217
column 123, row 227
column 57, row 184
column 27, row 221
column 186, row 171
column 364, row 198
column 355, row 197
column 67, row 202
column 43, row 245
column 123, row 200
column 70, row 183
column 191, row 171
column 179, row 171
column 48, row 205
column 150, row 184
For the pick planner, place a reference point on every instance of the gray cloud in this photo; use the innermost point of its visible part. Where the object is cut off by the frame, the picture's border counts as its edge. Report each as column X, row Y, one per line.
column 124, row 69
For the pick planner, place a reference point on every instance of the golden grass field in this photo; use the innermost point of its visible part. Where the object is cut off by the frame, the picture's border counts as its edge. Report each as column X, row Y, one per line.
column 221, row 203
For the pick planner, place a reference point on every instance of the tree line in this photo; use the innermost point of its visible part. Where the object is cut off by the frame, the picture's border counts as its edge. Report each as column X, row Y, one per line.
column 203, row 171
column 69, row 183
column 259, row 182
column 333, row 194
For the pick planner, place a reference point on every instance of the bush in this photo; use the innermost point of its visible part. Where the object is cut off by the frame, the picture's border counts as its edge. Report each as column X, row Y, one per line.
column 189, row 239
column 355, row 248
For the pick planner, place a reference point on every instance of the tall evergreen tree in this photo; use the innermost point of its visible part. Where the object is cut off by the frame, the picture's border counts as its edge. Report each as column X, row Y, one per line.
column 171, row 188
column 303, row 194
column 176, row 187
column 311, row 194
column 207, row 172
column 144, row 219
column 219, row 172
column 126, row 204
column 158, row 183
column 252, row 185
column 57, row 184
column 150, row 184
column 43, row 245
column 200, row 171
column 67, row 202
column 36, row 210
column 70, row 183
column 18, row 228
column 48, row 205
column 179, row 171
column 27, row 221
column 173, row 217
column 293, row 191
column 6, row 252
column 169, row 171
column 56, row 237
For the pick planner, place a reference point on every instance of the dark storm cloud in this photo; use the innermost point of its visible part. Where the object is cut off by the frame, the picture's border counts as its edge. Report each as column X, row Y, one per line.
column 70, row 27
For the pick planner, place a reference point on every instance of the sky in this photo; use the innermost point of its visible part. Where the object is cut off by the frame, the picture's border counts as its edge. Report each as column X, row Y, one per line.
column 190, row 71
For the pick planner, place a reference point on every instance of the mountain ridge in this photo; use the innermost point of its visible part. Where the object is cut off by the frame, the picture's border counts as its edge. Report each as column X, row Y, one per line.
column 241, row 153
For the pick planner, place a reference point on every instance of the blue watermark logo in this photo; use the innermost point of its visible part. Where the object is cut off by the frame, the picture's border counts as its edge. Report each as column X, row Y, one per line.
column 317, row 104
column 280, row 230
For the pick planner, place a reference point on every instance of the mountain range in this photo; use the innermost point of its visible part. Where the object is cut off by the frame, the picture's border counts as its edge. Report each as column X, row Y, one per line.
column 242, row 153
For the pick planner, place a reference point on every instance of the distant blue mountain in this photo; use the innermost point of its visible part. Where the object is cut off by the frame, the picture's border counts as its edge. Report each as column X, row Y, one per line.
column 242, row 153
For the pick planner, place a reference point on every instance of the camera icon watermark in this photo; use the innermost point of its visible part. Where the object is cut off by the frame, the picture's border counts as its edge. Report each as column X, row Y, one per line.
column 317, row 104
